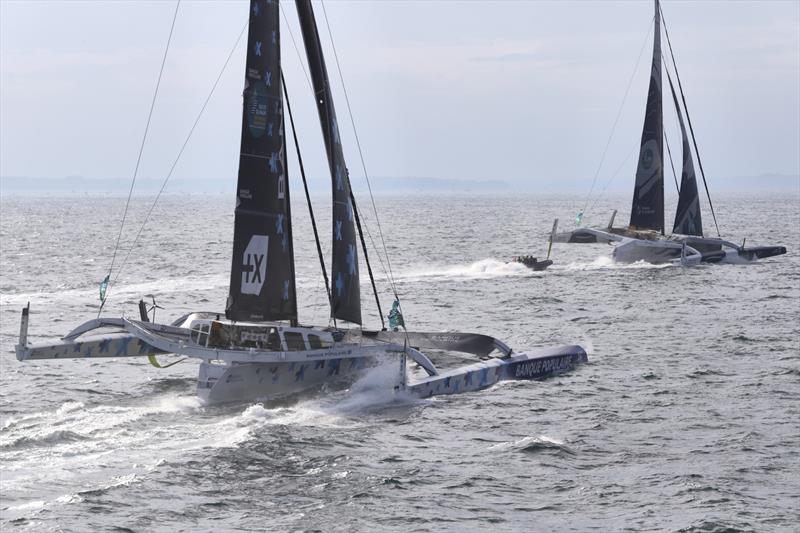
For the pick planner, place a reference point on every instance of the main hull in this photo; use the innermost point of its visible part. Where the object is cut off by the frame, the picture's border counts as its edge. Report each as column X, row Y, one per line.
column 272, row 381
column 688, row 250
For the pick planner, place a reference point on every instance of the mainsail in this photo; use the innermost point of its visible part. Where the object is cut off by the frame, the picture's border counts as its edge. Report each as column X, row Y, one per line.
column 647, row 211
column 687, row 218
column 262, row 271
column 346, row 290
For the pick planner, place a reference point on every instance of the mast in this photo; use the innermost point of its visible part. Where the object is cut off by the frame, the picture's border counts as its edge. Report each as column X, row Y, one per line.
column 688, row 220
column 346, row 290
column 647, row 211
column 262, row 267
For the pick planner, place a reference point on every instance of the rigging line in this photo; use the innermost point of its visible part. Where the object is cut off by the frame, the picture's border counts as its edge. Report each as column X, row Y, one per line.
column 678, row 111
column 180, row 152
column 296, row 49
column 375, row 247
column 308, row 196
column 664, row 129
column 141, row 150
column 619, row 113
column 360, row 152
column 674, row 176
column 611, row 179
column 689, row 120
column 366, row 256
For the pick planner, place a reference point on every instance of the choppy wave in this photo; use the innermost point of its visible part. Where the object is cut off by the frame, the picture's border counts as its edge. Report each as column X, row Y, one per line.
column 533, row 444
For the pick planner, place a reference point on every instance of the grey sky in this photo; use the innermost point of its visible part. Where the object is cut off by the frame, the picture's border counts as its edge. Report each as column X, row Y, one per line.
column 524, row 92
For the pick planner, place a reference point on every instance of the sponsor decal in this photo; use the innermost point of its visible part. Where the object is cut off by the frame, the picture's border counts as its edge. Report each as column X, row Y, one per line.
column 444, row 338
column 339, row 353
column 541, row 367
column 254, row 264
column 257, row 109
column 281, row 184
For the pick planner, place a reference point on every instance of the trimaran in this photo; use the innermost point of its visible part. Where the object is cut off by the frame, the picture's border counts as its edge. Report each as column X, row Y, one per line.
column 256, row 349
column 644, row 238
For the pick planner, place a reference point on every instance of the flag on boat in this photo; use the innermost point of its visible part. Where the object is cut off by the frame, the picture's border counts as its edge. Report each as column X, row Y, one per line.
column 396, row 316
column 103, row 288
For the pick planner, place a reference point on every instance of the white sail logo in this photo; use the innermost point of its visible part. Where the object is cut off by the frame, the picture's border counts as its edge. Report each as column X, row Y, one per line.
column 254, row 264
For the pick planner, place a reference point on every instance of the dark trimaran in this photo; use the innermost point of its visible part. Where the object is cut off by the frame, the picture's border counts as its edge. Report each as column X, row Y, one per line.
column 257, row 350
column 644, row 238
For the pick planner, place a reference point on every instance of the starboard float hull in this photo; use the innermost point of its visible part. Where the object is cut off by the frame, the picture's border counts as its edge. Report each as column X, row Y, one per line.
column 760, row 252
column 540, row 365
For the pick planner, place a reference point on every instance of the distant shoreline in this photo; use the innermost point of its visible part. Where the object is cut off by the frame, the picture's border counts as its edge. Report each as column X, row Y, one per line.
column 381, row 186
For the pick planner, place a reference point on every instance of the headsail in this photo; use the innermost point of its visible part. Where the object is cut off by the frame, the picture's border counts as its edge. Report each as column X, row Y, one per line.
column 647, row 211
column 262, row 271
column 346, row 290
column 687, row 218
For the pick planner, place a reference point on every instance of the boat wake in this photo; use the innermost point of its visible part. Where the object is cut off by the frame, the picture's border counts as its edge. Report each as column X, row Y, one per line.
column 374, row 392
column 483, row 269
column 56, row 457
column 607, row 263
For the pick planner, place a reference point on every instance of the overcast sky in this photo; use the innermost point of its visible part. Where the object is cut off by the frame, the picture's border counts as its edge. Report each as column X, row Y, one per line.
column 524, row 92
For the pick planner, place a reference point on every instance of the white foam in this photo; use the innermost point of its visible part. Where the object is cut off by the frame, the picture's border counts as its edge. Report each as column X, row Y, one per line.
column 483, row 269
column 525, row 442
column 605, row 262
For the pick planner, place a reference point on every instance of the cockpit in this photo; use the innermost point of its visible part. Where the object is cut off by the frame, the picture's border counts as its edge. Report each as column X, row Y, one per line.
column 211, row 333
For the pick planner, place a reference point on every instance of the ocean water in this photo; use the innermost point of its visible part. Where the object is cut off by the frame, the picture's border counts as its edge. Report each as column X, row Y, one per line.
column 687, row 417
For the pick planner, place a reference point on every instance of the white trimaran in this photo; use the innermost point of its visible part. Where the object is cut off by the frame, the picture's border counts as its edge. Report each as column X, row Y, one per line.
column 644, row 238
column 256, row 349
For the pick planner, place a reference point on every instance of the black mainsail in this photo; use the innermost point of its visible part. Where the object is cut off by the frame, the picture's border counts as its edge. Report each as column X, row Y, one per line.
column 647, row 211
column 262, row 271
column 346, row 291
column 687, row 218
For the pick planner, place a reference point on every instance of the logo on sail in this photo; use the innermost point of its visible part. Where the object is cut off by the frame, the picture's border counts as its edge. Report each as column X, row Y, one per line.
column 257, row 107
column 254, row 264
column 647, row 158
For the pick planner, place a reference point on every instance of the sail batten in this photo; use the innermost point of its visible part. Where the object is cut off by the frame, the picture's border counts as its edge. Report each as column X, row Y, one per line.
column 262, row 283
column 346, row 290
column 647, row 210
